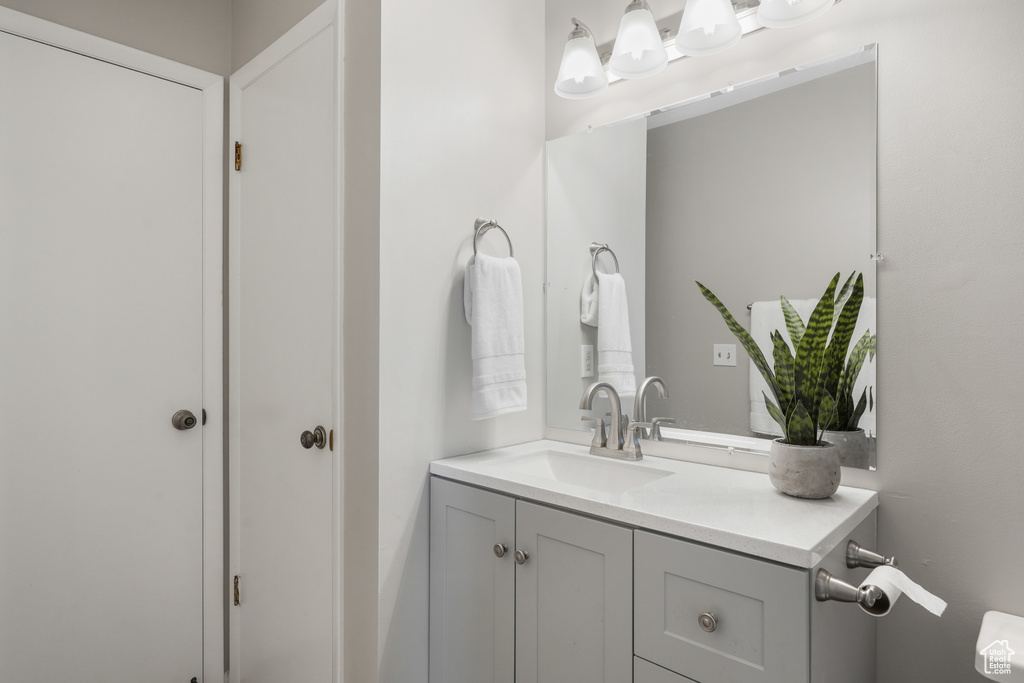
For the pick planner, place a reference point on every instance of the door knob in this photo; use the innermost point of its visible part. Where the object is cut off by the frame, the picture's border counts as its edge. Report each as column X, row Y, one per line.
column 317, row 437
column 183, row 419
column 522, row 556
column 500, row 549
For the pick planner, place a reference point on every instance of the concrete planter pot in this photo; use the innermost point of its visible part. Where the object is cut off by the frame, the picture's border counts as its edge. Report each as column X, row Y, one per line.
column 852, row 446
column 804, row 471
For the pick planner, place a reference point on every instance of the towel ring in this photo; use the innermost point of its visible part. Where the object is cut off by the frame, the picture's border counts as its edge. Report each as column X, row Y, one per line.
column 595, row 250
column 482, row 225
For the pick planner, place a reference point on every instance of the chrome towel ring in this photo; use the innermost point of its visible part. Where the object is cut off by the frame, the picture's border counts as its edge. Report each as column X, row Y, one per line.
column 482, row 225
column 595, row 251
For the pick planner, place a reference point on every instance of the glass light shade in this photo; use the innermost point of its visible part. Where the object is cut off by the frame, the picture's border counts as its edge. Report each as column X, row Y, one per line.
column 786, row 13
column 639, row 51
column 708, row 26
column 581, row 74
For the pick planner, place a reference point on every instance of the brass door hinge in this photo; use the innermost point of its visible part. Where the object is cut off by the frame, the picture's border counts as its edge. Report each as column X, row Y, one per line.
column 238, row 156
column 237, row 598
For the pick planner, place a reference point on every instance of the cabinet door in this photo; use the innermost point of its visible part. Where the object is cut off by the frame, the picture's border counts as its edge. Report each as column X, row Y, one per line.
column 645, row 672
column 573, row 598
column 472, row 590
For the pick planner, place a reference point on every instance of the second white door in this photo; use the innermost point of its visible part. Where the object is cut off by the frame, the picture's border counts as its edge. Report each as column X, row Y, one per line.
column 283, row 348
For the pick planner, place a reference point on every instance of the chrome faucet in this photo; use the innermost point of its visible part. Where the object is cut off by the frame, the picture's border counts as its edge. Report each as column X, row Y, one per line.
column 618, row 442
column 640, row 408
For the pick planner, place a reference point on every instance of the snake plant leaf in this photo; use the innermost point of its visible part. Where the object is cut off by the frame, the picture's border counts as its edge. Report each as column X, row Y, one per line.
column 744, row 338
column 864, row 346
column 862, row 404
column 801, row 430
column 775, row 412
column 807, row 364
column 783, row 371
column 844, row 323
column 794, row 323
column 845, row 293
column 827, row 413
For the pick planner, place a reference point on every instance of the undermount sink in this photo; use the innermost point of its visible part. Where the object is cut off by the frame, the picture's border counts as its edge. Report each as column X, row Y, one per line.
column 587, row 471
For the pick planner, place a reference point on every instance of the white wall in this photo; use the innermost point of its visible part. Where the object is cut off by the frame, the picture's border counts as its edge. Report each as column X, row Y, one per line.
column 950, row 211
column 193, row 32
column 462, row 136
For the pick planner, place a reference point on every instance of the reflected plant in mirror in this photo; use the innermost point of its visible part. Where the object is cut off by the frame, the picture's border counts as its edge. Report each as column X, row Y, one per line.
column 812, row 385
column 761, row 188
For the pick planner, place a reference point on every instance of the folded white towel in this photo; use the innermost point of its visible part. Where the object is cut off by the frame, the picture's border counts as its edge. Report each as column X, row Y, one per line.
column 588, row 301
column 493, row 301
column 765, row 318
column 614, row 349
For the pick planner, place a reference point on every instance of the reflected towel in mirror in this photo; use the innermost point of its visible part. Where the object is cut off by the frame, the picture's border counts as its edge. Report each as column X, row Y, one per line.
column 614, row 348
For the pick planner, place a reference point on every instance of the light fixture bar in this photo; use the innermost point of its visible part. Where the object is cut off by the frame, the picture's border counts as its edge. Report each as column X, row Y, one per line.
column 746, row 14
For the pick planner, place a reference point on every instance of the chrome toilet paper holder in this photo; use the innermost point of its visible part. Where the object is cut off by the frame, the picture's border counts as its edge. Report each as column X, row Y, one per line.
column 858, row 556
column 872, row 599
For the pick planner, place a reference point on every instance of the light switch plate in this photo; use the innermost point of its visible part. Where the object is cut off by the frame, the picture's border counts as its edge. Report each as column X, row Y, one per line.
column 725, row 354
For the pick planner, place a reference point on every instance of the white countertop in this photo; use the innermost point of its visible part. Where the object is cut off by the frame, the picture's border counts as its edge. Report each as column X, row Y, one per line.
column 728, row 508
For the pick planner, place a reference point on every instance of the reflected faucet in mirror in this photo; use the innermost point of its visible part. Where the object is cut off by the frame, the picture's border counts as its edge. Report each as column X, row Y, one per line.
column 619, row 443
column 640, row 408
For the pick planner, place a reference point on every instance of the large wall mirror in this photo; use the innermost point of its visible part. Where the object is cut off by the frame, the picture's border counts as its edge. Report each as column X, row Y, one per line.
column 761, row 190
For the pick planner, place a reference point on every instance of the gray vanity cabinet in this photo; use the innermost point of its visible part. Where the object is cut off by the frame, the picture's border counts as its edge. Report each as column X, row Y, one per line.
column 563, row 614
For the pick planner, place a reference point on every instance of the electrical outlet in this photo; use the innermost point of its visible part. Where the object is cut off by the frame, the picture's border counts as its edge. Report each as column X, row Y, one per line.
column 725, row 354
column 586, row 360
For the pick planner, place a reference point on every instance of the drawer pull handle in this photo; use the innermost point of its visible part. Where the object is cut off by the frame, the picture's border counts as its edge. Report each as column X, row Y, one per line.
column 708, row 621
column 500, row 549
column 522, row 556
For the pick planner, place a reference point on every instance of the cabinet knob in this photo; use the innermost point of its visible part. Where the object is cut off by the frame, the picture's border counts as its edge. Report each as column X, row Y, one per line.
column 708, row 621
column 500, row 549
column 522, row 556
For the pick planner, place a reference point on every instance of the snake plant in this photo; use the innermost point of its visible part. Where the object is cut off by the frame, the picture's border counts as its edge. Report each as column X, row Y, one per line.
column 812, row 390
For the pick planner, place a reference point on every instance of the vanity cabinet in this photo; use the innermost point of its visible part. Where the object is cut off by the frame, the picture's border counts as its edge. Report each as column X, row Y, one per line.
column 526, row 593
column 597, row 600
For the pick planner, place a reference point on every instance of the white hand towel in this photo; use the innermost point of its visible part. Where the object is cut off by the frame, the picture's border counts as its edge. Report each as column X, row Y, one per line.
column 588, row 301
column 493, row 300
column 614, row 349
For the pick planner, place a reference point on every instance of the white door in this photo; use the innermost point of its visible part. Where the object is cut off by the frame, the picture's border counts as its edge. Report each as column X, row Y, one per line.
column 284, row 532
column 101, row 342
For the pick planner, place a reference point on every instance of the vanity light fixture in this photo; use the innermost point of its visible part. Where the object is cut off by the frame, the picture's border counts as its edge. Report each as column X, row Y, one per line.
column 641, row 50
column 639, row 47
column 707, row 27
column 581, row 74
column 786, row 13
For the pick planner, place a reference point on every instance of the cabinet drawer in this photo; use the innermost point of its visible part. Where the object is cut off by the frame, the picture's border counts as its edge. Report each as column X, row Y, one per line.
column 762, row 613
column 645, row 672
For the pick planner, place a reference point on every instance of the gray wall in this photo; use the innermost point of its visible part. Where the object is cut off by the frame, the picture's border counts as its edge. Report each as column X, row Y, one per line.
column 193, row 32
column 950, row 211
column 771, row 196
column 256, row 24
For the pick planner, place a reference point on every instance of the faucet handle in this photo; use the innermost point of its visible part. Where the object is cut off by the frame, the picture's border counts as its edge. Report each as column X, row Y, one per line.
column 632, row 443
column 600, row 439
column 656, row 426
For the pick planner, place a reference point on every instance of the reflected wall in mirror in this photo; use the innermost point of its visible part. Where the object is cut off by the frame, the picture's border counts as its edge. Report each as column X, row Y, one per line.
column 765, row 190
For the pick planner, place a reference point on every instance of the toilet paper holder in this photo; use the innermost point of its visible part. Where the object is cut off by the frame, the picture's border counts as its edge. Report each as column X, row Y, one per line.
column 858, row 556
column 872, row 599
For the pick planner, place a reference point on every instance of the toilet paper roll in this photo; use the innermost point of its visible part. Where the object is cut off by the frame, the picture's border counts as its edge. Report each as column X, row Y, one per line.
column 895, row 583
